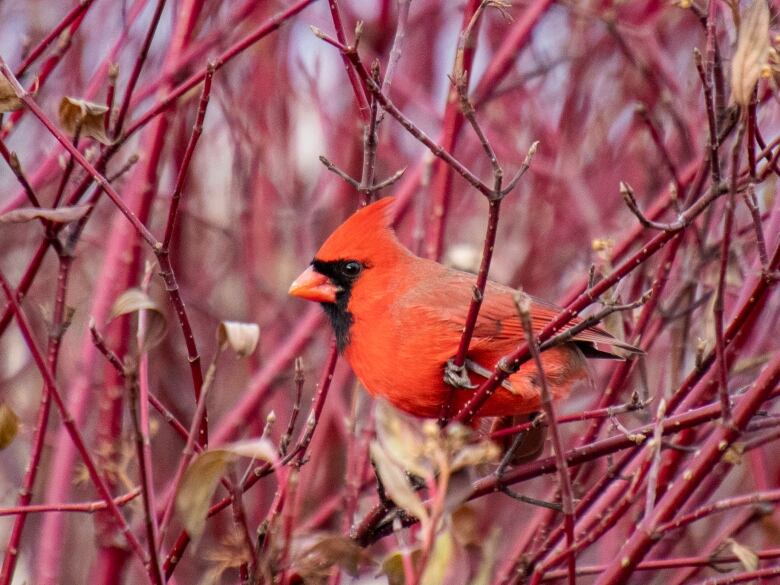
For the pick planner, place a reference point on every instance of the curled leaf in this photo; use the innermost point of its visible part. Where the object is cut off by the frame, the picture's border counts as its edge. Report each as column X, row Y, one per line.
column 396, row 484
column 9, row 426
column 8, row 98
column 752, row 52
column 60, row 215
column 87, row 118
column 241, row 337
column 260, row 448
column 746, row 556
column 134, row 299
column 202, row 476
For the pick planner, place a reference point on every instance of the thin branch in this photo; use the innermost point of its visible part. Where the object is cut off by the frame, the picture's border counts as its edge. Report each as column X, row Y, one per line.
column 197, row 130
column 523, row 303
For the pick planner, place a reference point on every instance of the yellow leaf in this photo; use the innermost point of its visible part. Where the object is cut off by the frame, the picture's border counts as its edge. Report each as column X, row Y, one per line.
column 88, row 118
column 439, row 561
column 9, row 425
column 752, row 52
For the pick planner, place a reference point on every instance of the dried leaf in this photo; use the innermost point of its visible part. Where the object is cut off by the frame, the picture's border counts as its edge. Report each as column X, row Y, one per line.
column 197, row 488
column 396, row 485
column 440, row 561
column 241, row 337
column 202, row 476
column 475, row 454
column 746, row 556
column 752, row 52
column 402, row 441
column 89, row 117
column 8, row 99
column 261, row 448
column 9, row 425
column 465, row 526
column 315, row 562
column 231, row 553
column 60, row 215
column 134, row 299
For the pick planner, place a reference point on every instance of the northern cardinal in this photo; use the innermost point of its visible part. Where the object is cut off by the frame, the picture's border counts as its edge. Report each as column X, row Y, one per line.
column 398, row 319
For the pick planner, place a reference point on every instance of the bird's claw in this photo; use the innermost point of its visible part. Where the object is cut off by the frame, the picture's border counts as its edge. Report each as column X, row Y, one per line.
column 457, row 376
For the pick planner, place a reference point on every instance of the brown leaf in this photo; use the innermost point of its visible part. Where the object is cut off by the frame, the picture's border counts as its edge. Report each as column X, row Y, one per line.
column 91, row 117
column 202, row 476
column 8, row 100
column 9, row 426
column 396, row 485
column 315, row 562
column 465, row 526
column 60, row 215
column 752, row 52
column 241, row 337
column 197, row 488
column 134, row 299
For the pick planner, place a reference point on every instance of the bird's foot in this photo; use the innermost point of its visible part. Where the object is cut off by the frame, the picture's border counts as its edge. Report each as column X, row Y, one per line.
column 457, row 376
column 485, row 373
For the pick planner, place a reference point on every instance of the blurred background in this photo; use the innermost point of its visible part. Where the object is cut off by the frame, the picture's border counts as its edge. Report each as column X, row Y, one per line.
column 609, row 89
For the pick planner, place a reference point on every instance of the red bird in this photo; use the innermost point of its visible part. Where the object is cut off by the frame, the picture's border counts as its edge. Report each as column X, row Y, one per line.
column 398, row 319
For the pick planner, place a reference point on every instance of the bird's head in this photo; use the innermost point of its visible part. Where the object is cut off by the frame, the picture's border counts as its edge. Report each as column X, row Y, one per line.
column 363, row 244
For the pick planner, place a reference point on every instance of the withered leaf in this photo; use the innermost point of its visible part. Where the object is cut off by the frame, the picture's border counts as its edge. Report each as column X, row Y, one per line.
column 752, row 51
column 89, row 116
column 9, row 425
column 197, row 488
column 315, row 562
column 396, row 484
column 59, row 215
column 8, row 99
column 475, row 454
column 261, row 448
column 746, row 556
column 134, row 299
column 241, row 337
column 202, row 477
column 402, row 441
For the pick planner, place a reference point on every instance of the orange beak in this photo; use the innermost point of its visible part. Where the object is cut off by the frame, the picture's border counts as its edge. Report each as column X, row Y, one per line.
column 313, row 286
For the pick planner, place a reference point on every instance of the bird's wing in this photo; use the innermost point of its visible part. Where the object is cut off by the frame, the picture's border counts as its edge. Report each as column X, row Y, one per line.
column 498, row 320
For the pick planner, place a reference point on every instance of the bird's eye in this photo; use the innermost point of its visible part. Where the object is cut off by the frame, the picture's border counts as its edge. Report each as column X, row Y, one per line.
column 352, row 269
